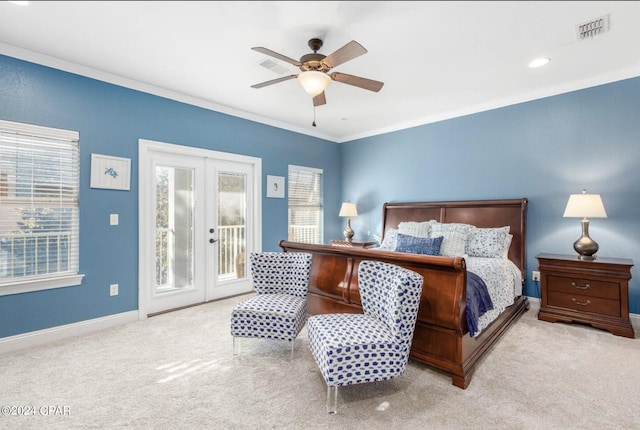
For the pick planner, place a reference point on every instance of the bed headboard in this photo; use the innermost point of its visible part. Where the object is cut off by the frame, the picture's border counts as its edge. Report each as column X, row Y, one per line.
column 481, row 213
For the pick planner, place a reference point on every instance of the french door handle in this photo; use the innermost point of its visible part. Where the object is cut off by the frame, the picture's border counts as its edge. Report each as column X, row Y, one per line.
column 213, row 240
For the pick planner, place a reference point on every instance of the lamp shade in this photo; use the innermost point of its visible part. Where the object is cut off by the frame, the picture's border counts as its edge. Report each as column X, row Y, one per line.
column 585, row 206
column 348, row 210
column 314, row 82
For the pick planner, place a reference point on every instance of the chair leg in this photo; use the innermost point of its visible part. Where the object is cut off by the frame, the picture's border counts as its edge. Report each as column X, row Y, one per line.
column 293, row 344
column 332, row 399
column 236, row 346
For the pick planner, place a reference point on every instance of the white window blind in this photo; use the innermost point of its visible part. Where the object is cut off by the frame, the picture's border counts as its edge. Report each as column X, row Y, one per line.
column 305, row 204
column 39, row 222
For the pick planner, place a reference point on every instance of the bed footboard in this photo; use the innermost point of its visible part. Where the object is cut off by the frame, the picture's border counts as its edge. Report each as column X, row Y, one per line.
column 441, row 337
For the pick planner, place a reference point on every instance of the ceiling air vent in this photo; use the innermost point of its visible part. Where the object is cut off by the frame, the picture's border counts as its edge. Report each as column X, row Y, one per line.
column 273, row 66
column 592, row 28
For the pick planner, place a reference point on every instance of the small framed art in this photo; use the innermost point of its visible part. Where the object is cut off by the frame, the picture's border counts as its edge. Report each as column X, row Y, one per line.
column 275, row 186
column 110, row 172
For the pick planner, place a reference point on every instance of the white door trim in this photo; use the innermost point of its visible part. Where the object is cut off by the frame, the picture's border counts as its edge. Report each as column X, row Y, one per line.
column 145, row 209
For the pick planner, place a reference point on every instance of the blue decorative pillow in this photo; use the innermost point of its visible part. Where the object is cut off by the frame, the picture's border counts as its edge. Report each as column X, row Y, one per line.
column 419, row 245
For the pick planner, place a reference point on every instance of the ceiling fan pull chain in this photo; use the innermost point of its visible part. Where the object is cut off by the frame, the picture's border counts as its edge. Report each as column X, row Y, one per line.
column 314, row 117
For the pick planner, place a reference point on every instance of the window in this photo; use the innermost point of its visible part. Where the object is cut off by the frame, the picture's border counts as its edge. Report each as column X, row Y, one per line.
column 39, row 179
column 305, row 204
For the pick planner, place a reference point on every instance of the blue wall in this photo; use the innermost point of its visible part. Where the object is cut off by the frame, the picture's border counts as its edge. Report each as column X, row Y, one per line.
column 110, row 120
column 543, row 150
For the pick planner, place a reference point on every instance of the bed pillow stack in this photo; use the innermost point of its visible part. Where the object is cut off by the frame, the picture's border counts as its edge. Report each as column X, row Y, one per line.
column 417, row 238
column 448, row 239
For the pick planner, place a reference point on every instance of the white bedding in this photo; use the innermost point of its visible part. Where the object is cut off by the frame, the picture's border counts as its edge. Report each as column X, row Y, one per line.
column 502, row 277
column 504, row 283
column 485, row 251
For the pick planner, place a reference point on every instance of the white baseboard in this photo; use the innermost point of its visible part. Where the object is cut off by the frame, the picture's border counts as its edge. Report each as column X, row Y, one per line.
column 39, row 337
column 12, row 343
column 634, row 319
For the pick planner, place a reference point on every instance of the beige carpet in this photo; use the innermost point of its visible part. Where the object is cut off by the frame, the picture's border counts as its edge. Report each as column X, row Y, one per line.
column 177, row 371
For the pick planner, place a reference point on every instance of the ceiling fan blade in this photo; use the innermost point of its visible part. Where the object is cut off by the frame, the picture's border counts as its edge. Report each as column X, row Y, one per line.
column 348, row 52
column 357, row 81
column 320, row 99
column 274, row 81
column 278, row 56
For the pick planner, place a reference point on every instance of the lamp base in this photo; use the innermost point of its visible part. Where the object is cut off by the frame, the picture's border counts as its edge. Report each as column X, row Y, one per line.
column 585, row 246
column 348, row 232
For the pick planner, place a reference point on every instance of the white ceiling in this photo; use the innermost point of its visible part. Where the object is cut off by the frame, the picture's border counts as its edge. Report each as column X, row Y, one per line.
column 438, row 60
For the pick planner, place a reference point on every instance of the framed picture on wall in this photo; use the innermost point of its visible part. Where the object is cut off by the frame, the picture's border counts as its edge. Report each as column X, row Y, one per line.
column 275, row 186
column 109, row 172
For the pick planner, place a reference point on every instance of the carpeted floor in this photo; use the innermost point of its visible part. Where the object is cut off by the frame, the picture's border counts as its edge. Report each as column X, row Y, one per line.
column 177, row 371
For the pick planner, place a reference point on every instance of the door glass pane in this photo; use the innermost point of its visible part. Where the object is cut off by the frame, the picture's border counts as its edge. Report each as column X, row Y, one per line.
column 232, row 210
column 174, row 229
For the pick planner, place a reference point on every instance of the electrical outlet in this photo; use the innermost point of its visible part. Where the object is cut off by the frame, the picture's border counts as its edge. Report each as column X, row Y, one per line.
column 113, row 289
column 535, row 276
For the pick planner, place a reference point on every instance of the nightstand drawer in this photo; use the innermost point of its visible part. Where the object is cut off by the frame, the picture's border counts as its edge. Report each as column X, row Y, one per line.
column 584, row 287
column 591, row 304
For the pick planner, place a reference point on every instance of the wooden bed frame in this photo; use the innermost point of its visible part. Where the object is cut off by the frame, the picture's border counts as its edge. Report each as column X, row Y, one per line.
column 441, row 337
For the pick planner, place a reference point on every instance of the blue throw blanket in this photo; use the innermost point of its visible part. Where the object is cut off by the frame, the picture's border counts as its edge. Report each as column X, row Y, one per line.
column 478, row 301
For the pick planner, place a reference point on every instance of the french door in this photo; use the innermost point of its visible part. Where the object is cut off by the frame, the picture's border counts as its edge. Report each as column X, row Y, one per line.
column 199, row 220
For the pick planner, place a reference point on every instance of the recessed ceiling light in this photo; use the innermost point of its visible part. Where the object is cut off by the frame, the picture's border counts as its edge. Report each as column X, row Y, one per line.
column 538, row 62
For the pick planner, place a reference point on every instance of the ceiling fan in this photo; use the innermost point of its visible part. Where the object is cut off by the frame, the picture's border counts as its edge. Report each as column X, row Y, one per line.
column 314, row 76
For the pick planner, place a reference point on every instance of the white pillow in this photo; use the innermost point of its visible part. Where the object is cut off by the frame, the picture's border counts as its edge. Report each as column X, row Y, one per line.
column 390, row 240
column 487, row 242
column 418, row 229
column 507, row 245
column 455, row 238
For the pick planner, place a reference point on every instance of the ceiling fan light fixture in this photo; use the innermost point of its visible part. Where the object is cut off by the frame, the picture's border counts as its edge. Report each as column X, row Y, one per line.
column 314, row 82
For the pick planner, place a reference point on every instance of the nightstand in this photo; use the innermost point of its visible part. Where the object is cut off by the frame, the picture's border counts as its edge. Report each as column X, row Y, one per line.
column 352, row 244
column 592, row 292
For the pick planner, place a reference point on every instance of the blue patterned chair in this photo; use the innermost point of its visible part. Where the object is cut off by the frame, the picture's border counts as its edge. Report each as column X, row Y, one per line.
column 279, row 308
column 374, row 346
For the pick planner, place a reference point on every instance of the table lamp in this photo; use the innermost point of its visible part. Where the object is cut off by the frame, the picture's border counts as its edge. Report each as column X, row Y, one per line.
column 585, row 206
column 348, row 210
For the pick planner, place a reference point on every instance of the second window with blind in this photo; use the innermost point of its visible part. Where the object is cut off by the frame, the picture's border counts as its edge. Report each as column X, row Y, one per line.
column 306, row 204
